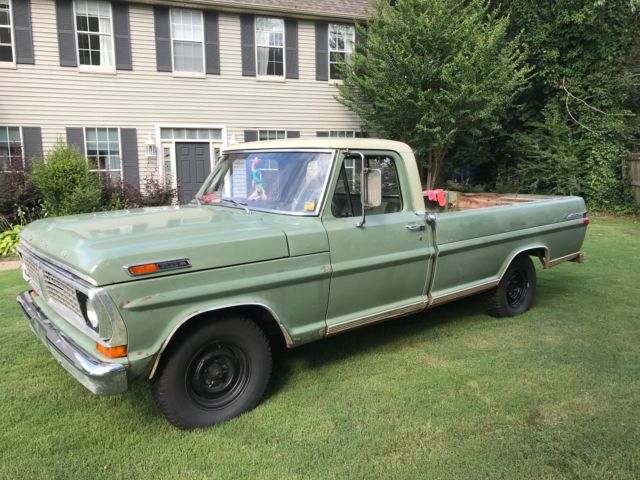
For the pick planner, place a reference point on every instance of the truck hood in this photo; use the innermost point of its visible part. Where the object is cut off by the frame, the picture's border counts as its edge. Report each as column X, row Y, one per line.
column 99, row 245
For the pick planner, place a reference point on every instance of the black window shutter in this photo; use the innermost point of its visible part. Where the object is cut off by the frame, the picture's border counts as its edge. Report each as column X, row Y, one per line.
column 322, row 134
column 122, row 35
column 75, row 137
column 212, row 42
column 362, row 134
column 250, row 135
column 31, row 143
column 66, row 33
column 163, row 39
column 291, row 47
column 129, row 155
column 293, row 133
column 322, row 51
column 22, row 29
column 247, row 41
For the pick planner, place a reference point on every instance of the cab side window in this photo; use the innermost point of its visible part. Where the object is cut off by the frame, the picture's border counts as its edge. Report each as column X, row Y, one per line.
column 346, row 200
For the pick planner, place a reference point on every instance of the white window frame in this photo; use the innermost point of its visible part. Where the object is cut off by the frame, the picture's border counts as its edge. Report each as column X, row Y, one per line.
column 171, row 143
column 269, row 130
column 345, row 131
column 12, row 63
column 187, row 73
column 329, row 49
column 284, row 49
column 21, row 147
column 86, row 151
column 95, row 68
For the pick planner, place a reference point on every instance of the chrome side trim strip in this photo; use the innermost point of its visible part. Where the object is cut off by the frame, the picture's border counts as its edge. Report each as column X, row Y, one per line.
column 463, row 293
column 572, row 257
column 376, row 317
column 285, row 333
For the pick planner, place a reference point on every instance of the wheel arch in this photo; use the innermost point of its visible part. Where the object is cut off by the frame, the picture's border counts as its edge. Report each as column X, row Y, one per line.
column 260, row 313
column 540, row 251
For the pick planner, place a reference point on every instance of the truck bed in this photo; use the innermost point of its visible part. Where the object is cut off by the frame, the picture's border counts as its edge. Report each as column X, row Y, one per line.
column 457, row 201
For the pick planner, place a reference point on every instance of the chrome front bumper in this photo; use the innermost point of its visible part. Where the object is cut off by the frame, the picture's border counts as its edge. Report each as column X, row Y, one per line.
column 99, row 377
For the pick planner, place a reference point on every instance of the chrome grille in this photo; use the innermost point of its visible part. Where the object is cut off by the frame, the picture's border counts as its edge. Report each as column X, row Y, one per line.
column 30, row 268
column 58, row 291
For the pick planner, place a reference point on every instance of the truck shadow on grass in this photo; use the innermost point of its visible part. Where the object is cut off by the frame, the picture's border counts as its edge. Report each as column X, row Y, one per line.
column 368, row 339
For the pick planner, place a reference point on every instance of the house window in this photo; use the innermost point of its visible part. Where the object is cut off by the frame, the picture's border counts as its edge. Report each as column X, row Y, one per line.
column 187, row 37
column 270, row 46
column 342, row 134
column 191, row 133
column 341, row 40
column 6, row 32
column 272, row 134
column 11, row 158
column 103, row 151
column 95, row 36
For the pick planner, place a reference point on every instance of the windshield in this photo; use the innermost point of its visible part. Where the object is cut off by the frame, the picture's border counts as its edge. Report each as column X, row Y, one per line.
column 284, row 182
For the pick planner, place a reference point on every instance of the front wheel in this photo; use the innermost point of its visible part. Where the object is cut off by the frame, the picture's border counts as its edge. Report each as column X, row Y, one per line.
column 218, row 371
column 514, row 294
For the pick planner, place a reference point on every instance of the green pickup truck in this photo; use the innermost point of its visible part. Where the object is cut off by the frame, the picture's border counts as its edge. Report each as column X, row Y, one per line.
column 276, row 249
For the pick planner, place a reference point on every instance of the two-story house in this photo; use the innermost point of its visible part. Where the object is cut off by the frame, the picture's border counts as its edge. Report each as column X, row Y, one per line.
column 158, row 88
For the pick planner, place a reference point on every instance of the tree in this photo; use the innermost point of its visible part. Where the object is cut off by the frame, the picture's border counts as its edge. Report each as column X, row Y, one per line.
column 431, row 72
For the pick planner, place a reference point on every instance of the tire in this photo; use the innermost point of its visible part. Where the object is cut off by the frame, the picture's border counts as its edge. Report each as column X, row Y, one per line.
column 218, row 371
column 516, row 290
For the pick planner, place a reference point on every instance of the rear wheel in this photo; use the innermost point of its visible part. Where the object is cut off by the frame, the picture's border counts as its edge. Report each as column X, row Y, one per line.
column 218, row 371
column 515, row 292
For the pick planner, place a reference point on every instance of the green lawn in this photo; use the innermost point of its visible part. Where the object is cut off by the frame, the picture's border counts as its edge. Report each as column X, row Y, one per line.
column 450, row 393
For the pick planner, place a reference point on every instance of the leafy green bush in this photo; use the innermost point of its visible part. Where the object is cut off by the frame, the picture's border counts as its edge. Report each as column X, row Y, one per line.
column 9, row 237
column 65, row 182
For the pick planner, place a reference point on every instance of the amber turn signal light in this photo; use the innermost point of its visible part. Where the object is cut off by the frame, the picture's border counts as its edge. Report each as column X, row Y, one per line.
column 144, row 268
column 112, row 352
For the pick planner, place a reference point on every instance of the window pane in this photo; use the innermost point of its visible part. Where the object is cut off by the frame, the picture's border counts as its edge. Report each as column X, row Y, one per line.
column 102, row 135
column 6, row 55
column 187, row 56
column 4, row 15
column 14, row 134
column 5, row 35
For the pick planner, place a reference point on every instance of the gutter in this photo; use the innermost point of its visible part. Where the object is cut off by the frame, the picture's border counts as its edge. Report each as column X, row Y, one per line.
column 236, row 6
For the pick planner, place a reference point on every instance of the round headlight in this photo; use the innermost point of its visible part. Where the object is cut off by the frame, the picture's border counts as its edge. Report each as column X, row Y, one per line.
column 92, row 316
column 88, row 311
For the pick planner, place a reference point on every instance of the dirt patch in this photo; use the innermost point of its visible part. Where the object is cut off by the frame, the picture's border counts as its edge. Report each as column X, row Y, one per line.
column 9, row 263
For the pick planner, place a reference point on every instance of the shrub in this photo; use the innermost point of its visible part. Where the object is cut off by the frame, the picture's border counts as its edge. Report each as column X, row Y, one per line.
column 9, row 236
column 19, row 197
column 65, row 182
column 154, row 194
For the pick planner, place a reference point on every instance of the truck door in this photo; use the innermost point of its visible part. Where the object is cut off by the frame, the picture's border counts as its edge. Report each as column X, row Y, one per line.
column 379, row 270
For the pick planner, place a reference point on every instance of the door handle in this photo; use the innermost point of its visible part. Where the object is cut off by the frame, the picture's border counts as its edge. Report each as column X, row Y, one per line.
column 415, row 227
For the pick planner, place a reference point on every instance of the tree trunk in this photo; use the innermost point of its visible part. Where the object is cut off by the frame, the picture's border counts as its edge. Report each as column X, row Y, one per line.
column 435, row 162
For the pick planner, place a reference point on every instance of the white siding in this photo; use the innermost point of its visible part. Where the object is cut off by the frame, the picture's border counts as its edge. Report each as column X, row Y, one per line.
column 54, row 97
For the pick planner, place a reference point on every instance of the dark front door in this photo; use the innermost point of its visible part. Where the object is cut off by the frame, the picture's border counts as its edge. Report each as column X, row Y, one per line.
column 193, row 166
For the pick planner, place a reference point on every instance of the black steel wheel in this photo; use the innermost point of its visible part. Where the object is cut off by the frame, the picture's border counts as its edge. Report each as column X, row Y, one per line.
column 516, row 290
column 218, row 371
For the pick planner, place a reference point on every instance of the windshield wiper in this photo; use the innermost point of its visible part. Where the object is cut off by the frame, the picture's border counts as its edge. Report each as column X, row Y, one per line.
column 236, row 203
